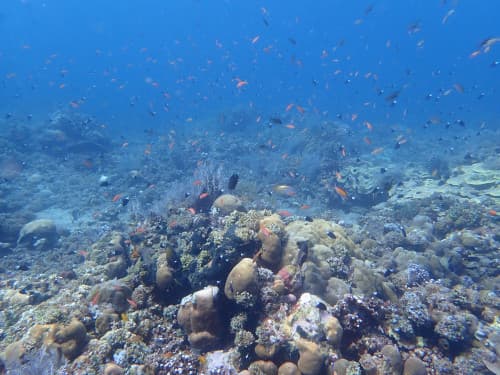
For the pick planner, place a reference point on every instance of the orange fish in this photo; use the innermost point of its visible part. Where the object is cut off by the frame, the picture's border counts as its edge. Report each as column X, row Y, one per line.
column 116, row 197
column 305, row 207
column 192, row 210
column 95, row 299
column 338, row 176
column 240, row 84
column 341, row 192
column 203, row 195
column 492, row 212
column 132, row 303
column 377, row 151
column 289, row 107
column 300, row 109
column 88, row 163
column 256, row 39
column 367, row 140
column 266, row 232
column 290, row 126
column 343, row 151
column 284, row 213
column 368, row 125
column 197, row 182
column 354, row 116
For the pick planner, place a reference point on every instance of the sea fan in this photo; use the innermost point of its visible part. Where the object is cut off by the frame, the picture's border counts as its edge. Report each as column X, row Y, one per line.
column 42, row 361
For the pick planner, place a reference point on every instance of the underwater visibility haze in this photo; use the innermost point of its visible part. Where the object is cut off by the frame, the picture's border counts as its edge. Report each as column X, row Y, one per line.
column 240, row 187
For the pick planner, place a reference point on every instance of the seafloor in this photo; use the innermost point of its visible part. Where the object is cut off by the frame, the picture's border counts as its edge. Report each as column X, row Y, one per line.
column 226, row 249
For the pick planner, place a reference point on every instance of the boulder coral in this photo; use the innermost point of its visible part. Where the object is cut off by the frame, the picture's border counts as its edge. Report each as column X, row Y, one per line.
column 271, row 234
column 199, row 315
column 70, row 338
column 228, row 203
column 38, row 234
column 114, row 294
column 242, row 278
column 311, row 359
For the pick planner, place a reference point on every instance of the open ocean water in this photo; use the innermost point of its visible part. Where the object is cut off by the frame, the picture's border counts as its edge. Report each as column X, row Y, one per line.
column 239, row 187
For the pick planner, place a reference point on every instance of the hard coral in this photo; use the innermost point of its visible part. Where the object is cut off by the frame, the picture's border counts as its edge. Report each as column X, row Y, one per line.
column 199, row 315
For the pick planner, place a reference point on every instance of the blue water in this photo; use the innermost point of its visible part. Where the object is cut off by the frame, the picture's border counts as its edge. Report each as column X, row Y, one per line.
column 136, row 65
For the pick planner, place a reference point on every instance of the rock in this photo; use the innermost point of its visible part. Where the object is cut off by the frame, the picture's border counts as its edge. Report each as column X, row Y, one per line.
column 345, row 367
column 307, row 319
column 456, row 328
column 414, row 366
column 242, row 278
column 311, row 359
column 370, row 364
column 227, row 203
column 199, row 316
column 38, row 234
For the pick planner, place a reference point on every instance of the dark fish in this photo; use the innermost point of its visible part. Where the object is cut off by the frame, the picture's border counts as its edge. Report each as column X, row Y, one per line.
column 302, row 253
column 321, row 306
column 414, row 28
column 309, row 219
column 265, row 22
column 403, row 231
column 369, row 9
column 383, row 170
column 276, row 120
column 233, row 181
column 392, row 96
column 293, row 41
column 301, row 332
column 125, row 201
column 331, row 235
